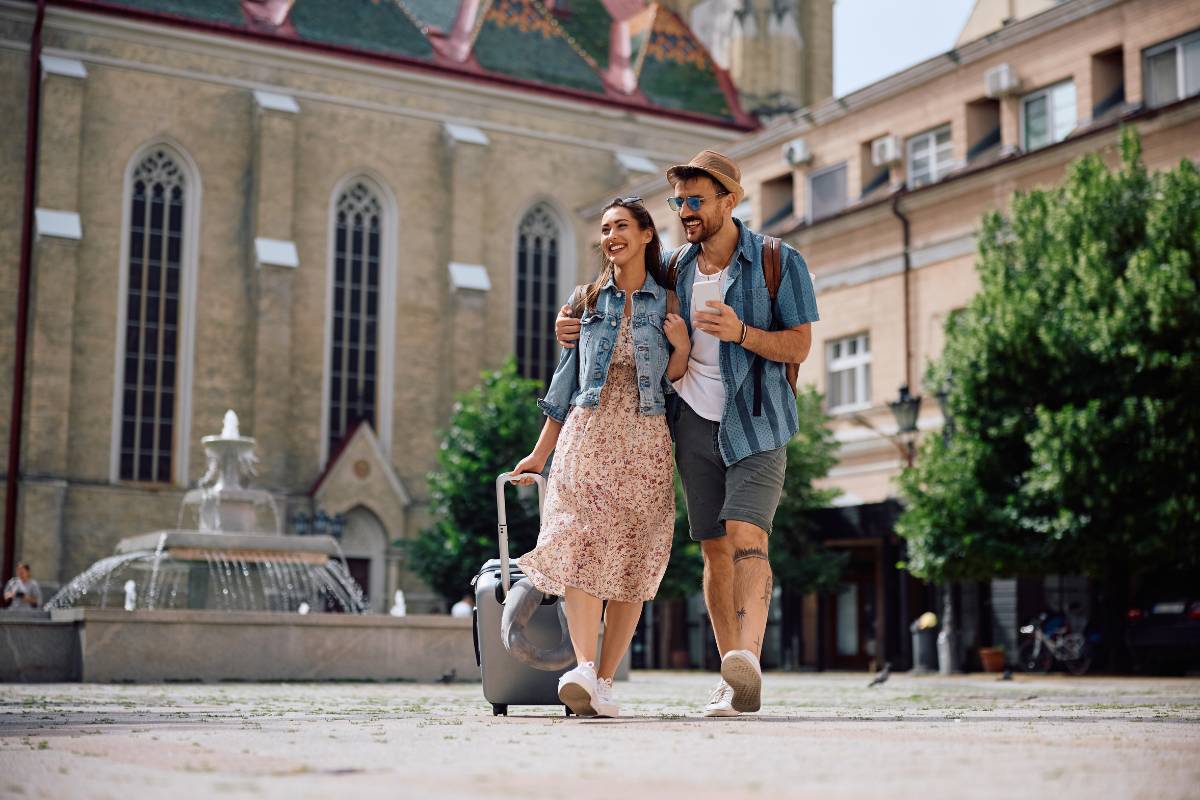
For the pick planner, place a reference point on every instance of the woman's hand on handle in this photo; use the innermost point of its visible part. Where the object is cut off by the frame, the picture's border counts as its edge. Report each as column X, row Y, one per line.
column 532, row 464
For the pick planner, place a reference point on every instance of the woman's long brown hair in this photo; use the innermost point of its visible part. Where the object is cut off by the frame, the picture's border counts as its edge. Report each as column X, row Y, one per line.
column 654, row 265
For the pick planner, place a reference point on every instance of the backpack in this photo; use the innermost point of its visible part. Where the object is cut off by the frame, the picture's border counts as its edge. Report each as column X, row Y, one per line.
column 773, row 274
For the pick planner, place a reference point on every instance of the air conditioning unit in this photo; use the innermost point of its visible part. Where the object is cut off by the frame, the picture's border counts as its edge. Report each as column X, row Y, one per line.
column 1000, row 80
column 796, row 152
column 885, row 150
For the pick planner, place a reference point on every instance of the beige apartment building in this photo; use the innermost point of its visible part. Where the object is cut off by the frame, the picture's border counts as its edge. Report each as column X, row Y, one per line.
column 883, row 190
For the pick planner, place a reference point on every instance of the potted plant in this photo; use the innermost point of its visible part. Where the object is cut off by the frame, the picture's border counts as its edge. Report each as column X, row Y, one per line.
column 992, row 658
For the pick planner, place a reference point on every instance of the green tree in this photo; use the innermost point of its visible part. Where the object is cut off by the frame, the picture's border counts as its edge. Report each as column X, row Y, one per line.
column 492, row 427
column 1073, row 389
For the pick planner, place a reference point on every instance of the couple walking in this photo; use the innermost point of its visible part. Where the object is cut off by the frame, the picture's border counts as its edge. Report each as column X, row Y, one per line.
column 649, row 356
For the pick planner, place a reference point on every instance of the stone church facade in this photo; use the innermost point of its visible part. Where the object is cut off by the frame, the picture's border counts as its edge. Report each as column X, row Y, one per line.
column 329, row 217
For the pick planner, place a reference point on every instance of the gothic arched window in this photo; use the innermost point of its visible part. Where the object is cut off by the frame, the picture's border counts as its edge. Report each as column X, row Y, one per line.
column 149, row 383
column 354, row 339
column 538, row 238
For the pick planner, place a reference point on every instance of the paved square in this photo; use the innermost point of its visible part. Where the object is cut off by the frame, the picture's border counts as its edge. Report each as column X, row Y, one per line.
column 818, row 736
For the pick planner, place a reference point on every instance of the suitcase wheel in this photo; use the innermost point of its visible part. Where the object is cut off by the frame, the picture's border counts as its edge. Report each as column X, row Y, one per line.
column 566, row 711
column 499, row 710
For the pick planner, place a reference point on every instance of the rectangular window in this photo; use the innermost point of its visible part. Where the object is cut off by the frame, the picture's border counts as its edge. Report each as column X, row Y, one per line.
column 1172, row 70
column 1047, row 115
column 826, row 192
column 848, row 373
column 930, row 156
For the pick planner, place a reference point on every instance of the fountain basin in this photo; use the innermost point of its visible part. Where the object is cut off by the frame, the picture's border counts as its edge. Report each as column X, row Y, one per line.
column 321, row 547
column 109, row 645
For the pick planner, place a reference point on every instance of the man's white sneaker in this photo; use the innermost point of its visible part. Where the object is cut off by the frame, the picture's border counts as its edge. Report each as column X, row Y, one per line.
column 721, row 702
column 577, row 689
column 740, row 670
column 604, row 704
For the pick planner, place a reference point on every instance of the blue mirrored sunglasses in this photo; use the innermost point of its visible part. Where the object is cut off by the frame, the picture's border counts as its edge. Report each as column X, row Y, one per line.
column 693, row 201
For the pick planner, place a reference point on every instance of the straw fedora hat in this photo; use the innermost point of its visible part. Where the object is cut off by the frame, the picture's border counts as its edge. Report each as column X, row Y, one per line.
column 722, row 168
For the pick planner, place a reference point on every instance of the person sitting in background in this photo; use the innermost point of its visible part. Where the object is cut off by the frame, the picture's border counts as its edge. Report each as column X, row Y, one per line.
column 464, row 607
column 22, row 591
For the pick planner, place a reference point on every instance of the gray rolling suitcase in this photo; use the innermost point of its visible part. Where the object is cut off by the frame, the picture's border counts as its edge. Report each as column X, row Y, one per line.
column 508, row 681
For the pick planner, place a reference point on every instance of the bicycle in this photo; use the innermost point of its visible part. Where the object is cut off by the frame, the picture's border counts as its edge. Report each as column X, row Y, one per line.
column 1043, row 648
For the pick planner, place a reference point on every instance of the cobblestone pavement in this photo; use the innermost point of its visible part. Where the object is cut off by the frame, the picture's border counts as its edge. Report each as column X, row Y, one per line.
column 818, row 736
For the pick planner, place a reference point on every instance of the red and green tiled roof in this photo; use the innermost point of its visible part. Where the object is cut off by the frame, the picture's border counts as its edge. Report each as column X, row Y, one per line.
column 377, row 27
column 676, row 71
column 520, row 39
column 557, row 47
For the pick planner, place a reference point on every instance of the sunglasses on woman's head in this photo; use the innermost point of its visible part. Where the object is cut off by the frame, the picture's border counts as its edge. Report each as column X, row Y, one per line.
column 626, row 201
column 693, row 201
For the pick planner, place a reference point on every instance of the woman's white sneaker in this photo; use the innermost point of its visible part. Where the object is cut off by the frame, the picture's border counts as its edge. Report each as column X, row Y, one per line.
column 721, row 702
column 604, row 704
column 577, row 689
column 740, row 670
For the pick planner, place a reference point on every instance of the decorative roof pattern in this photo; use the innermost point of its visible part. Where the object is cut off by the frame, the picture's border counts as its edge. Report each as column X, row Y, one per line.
column 378, row 26
column 520, row 38
column 437, row 14
column 588, row 23
column 525, row 42
column 224, row 11
column 675, row 71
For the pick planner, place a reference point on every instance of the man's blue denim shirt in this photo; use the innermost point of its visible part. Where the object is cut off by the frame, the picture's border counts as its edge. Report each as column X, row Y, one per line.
column 582, row 370
column 741, row 433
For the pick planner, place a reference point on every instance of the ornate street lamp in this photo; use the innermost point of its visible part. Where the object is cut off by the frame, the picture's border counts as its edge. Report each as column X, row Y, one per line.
column 906, row 409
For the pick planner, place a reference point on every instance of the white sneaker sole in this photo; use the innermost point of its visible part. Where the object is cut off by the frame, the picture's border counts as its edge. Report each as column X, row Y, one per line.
column 575, row 696
column 722, row 712
column 608, row 711
column 743, row 675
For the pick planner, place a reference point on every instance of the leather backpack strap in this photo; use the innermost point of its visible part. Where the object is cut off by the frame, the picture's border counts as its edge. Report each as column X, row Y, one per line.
column 672, row 269
column 672, row 278
column 772, row 271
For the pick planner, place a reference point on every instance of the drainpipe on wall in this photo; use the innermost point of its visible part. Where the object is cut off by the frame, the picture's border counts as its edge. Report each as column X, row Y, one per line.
column 16, row 417
column 904, row 228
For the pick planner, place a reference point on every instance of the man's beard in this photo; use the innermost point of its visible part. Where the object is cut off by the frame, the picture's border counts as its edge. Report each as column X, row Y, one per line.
column 704, row 233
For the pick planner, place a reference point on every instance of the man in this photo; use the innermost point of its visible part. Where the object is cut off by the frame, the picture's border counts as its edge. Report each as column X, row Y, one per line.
column 22, row 591
column 735, row 411
column 464, row 608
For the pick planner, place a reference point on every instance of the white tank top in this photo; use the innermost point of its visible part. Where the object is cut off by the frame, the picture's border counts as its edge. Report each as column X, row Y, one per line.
column 701, row 385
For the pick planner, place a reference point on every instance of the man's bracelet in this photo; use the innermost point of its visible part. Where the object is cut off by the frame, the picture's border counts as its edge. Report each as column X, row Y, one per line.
column 744, row 331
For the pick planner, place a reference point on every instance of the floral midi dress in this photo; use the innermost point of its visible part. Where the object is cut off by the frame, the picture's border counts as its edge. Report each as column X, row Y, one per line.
column 610, row 501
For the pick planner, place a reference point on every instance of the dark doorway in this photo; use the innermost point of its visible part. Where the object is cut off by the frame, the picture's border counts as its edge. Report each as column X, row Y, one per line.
column 360, row 570
column 851, row 615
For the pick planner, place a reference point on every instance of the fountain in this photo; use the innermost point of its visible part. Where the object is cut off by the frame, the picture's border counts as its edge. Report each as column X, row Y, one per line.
column 236, row 558
column 226, row 595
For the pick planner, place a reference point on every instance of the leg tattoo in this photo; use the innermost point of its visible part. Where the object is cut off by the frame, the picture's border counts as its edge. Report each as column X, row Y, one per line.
column 767, row 587
column 741, row 615
column 749, row 552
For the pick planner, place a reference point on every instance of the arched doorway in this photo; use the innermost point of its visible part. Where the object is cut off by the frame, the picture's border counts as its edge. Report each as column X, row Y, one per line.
column 364, row 544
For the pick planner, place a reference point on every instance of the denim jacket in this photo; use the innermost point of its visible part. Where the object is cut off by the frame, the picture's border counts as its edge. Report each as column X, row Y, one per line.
column 583, row 369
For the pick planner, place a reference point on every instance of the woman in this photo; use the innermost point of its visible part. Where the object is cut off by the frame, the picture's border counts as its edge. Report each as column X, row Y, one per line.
column 610, row 502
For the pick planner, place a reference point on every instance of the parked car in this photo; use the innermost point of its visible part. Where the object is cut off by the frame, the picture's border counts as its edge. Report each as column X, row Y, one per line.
column 1163, row 630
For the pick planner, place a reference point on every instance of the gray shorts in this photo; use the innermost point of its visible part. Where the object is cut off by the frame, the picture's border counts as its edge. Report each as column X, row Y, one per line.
column 747, row 490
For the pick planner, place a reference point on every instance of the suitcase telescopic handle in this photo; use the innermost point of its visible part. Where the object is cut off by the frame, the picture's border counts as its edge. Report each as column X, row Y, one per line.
column 502, row 518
